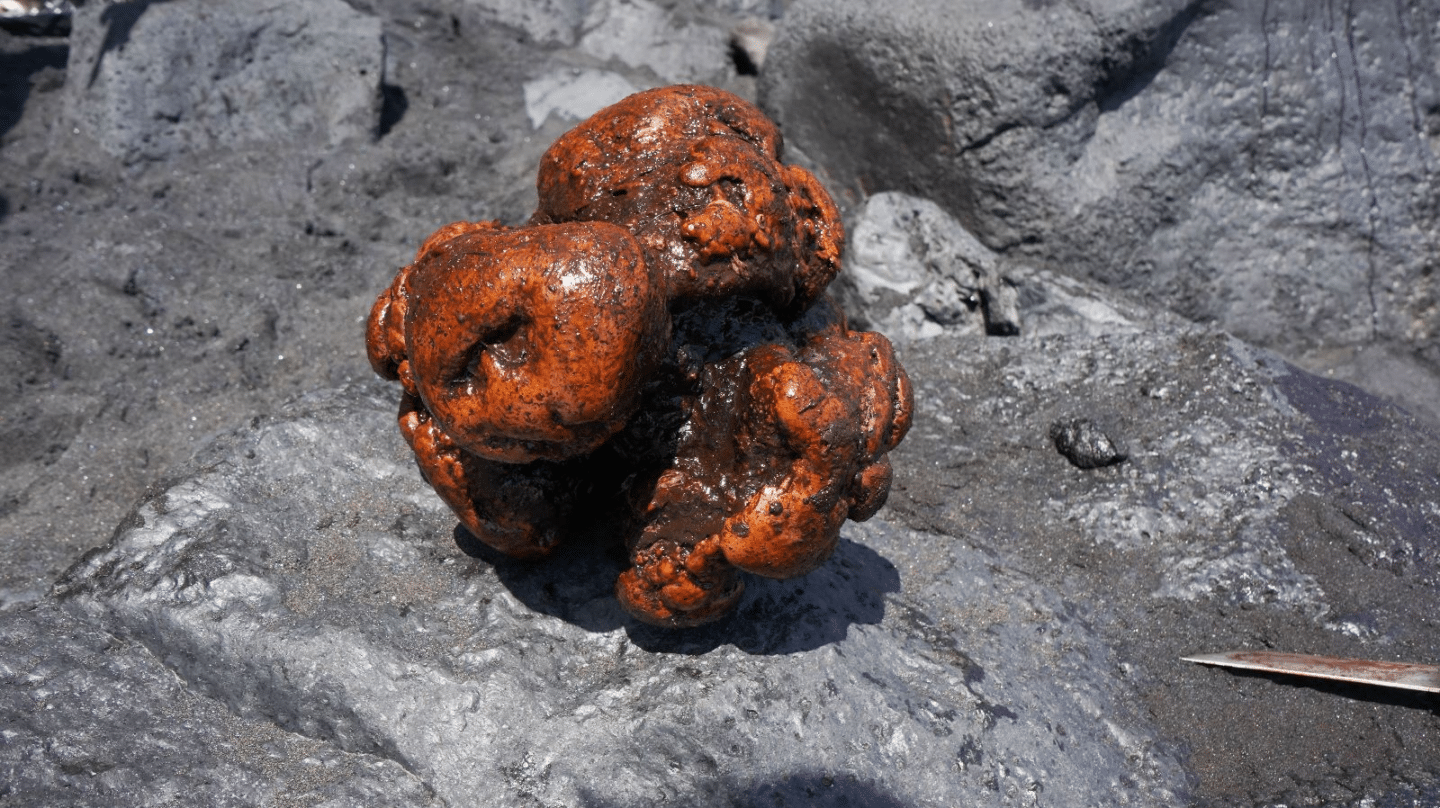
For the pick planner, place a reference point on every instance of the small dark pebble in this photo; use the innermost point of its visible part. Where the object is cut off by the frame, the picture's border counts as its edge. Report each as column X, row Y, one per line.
column 1084, row 444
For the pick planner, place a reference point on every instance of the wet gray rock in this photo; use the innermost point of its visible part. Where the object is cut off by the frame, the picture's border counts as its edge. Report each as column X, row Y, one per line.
column 95, row 719
column 573, row 94
column 301, row 574
column 909, row 262
column 1259, row 507
column 150, row 79
column 760, row 9
column 1263, row 166
column 546, row 22
column 912, row 271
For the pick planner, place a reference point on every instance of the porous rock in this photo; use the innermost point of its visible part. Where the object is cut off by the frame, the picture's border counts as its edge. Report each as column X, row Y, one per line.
column 1260, row 165
column 150, row 79
column 300, row 573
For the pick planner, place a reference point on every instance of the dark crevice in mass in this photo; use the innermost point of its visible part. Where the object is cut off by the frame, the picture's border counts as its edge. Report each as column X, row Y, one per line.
column 984, row 141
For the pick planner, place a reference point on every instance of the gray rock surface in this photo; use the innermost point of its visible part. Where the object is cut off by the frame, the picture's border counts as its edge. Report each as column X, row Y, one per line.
column 302, row 573
column 643, row 34
column 288, row 616
column 1264, row 166
column 547, row 22
column 573, row 94
column 151, row 78
column 912, row 271
column 1259, row 507
column 94, row 719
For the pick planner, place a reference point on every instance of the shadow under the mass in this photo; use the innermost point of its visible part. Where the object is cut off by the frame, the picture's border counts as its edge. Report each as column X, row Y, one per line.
column 774, row 617
column 803, row 788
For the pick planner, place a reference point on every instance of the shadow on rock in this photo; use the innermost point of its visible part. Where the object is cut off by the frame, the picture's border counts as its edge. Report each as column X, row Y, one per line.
column 811, row 789
column 775, row 617
column 119, row 21
column 17, row 73
column 1370, row 694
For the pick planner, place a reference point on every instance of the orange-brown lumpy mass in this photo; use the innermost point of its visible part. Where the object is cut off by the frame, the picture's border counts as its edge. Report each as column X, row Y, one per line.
column 695, row 173
column 654, row 342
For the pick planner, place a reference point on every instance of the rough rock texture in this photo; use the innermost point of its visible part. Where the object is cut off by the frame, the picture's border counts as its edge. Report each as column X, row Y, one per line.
column 154, row 304
column 1259, row 506
column 318, row 584
column 1266, row 166
column 912, row 271
column 547, row 22
column 642, row 34
column 150, row 78
column 91, row 718
column 574, row 94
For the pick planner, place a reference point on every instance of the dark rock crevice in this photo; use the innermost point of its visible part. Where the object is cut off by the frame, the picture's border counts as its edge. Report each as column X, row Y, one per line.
column 1141, row 58
column 1361, row 135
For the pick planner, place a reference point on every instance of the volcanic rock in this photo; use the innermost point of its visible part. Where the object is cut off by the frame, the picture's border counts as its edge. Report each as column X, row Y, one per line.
column 1263, row 166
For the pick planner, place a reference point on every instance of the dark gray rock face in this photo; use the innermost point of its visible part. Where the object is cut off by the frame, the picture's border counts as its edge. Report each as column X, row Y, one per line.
column 302, row 574
column 1265, row 166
